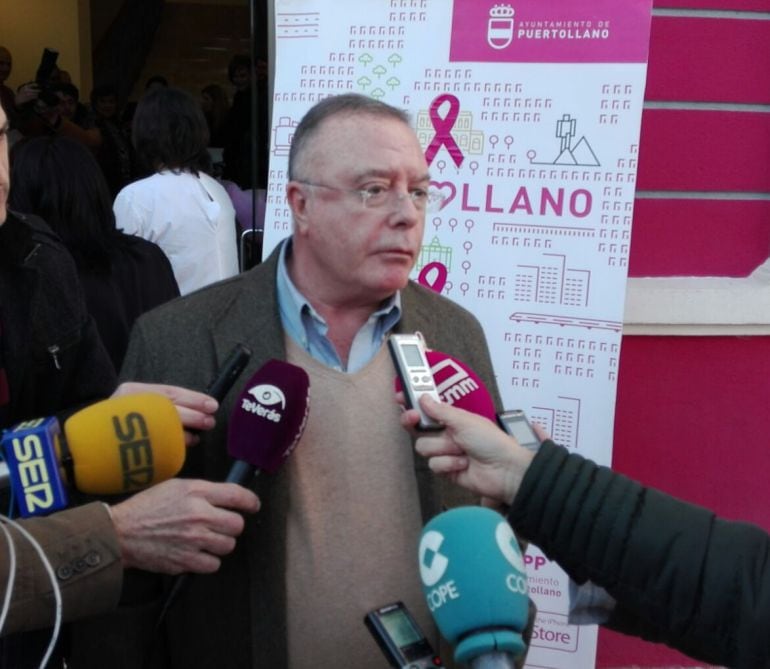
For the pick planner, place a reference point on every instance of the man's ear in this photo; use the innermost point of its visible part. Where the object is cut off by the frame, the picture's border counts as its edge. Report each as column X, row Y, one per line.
column 297, row 198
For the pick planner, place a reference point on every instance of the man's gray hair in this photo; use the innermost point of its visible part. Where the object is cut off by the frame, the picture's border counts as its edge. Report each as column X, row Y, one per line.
column 348, row 104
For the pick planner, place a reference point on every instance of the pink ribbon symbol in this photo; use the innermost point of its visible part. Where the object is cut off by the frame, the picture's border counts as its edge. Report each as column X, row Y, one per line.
column 437, row 281
column 443, row 128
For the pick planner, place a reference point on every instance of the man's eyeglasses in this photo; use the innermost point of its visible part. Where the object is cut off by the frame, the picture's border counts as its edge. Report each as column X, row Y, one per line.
column 374, row 197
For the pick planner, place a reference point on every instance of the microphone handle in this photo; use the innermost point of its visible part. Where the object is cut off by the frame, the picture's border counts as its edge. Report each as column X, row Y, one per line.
column 241, row 473
column 493, row 660
column 179, row 583
column 231, row 368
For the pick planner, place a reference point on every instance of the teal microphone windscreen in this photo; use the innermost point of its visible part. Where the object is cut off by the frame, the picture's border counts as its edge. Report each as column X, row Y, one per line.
column 474, row 581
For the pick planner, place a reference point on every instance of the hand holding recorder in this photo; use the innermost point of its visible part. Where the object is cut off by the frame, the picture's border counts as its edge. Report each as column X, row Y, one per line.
column 471, row 450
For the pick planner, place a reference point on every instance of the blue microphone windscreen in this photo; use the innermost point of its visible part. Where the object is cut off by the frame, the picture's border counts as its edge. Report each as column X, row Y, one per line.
column 30, row 451
column 474, row 581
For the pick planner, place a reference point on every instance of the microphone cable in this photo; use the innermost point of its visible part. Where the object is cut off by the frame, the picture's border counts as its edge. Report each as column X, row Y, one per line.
column 10, row 583
column 4, row 520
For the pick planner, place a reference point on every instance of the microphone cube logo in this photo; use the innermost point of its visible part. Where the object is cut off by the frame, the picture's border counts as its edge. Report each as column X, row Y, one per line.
column 433, row 567
column 433, row 564
column 509, row 547
column 267, row 398
column 452, row 381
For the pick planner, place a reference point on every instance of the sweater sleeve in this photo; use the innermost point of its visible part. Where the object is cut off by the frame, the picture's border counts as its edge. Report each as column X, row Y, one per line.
column 680, row 575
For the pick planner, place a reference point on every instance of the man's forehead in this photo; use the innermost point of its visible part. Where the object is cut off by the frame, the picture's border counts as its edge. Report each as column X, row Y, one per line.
column 360, row 119
column 336, row 130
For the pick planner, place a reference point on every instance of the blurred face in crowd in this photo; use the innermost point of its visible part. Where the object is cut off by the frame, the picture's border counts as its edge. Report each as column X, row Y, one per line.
column 6, row 62
column 153, row 86
column 207, row 103
column 4, row 182
column 67, row 105
column 106, row 106
column 241, row 78
column 351, row 249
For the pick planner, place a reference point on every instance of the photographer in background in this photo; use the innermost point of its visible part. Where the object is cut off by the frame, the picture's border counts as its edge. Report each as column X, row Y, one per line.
column 50, row 105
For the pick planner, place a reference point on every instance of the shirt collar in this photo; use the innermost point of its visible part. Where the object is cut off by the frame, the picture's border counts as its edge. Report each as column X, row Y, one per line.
column 297, row 314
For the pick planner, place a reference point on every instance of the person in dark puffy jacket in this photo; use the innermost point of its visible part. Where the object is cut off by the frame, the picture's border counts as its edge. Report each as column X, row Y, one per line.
column 678, row 574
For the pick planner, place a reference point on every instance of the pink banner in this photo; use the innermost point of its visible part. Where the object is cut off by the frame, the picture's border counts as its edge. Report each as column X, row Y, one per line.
column 549, row 31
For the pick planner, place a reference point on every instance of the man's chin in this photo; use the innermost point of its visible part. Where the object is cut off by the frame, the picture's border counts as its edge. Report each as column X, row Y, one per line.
column 394, row 284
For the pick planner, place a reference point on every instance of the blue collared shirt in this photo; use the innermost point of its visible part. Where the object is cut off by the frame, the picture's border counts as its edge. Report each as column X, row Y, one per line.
column 309, row 330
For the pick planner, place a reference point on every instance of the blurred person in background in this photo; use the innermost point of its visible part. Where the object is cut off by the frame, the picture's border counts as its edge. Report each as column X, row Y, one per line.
column 180, row 206
column 238, row 138
column 7, row 95
column 216, row 107
column 155, row 82
column 70, row 106
column 59, row 180
column 116, row 155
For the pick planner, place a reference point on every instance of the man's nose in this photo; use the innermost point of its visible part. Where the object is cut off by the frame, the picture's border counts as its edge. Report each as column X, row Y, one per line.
column 404, row 210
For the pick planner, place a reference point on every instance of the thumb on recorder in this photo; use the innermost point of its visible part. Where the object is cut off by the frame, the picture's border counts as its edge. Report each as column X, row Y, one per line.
column 471, row 450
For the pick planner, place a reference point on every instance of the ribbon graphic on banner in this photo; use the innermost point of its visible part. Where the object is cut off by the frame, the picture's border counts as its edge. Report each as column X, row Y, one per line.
column 443, row 127
column 433, row 276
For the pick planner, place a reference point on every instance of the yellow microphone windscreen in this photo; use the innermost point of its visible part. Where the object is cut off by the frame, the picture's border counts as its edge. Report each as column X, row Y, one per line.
column 124, row 444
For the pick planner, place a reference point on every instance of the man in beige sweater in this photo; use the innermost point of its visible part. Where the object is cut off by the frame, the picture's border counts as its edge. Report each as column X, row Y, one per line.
column 339, row 527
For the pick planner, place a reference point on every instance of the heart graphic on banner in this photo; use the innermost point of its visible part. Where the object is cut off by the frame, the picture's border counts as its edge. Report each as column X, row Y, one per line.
column 447, row 189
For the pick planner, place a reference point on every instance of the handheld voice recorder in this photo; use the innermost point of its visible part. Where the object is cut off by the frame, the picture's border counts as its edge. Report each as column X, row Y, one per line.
column 408, row 353
column 515, row 423
column 400, row 638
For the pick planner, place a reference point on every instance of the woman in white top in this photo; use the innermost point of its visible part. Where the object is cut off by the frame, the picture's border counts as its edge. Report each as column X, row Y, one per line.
column 180, row 207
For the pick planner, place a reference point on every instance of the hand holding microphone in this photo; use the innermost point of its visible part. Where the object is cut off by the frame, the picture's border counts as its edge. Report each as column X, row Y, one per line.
column 265, row 426
column 123, row 445
column 182, row 525
column 115, row 446
column 195, row 409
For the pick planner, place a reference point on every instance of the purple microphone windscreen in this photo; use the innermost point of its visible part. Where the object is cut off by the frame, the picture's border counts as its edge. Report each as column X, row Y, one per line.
column 269, row 416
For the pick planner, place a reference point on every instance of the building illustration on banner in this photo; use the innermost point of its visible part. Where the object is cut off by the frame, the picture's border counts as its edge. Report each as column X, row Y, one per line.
column 562, row 422
column 297, row 25
column 283, row 133
column 552, row 282
column 580, row 153
column 434, row 252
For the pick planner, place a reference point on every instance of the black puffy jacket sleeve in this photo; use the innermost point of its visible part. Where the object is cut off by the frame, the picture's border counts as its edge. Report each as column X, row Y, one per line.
column 680, row 575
